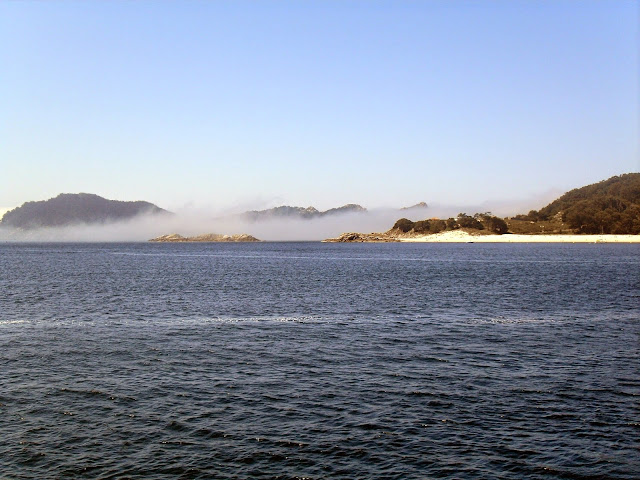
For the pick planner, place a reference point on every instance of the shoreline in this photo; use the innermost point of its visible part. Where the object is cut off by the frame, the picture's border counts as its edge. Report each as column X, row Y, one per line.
column 462, row 236
column 458, row 236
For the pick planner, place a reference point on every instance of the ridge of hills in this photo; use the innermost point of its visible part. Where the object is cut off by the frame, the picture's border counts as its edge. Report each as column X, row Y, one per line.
column 286, row 211
column 611, row 206
column 86, row 208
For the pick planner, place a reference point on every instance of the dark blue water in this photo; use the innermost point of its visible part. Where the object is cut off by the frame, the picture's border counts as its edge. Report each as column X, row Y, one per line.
column 309, row 360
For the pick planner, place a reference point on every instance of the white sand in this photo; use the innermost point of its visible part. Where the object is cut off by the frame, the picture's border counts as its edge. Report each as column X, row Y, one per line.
column 458, row 236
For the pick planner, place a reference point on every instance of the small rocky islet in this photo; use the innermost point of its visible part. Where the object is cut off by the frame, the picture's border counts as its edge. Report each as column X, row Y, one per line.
column 207, row 237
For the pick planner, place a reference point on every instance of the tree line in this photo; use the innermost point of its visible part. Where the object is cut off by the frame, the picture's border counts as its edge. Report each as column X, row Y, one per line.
column 479, row 221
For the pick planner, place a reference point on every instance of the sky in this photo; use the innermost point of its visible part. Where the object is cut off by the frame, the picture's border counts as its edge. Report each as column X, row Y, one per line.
column 228, row 106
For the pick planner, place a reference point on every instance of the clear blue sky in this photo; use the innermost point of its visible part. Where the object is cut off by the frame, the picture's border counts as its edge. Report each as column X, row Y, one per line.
column 232, row 104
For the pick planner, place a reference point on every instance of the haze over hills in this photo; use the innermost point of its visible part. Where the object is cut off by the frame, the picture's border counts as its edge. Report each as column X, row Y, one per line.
column 608, row 207
column 87, row 216
column 417, row 206
column 85, row 208
column 286, row 211
column 76, row 208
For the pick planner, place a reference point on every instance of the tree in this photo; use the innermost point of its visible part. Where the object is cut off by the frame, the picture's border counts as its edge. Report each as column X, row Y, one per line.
column 436, row 226
column 404, row 225
column 466, row 221
column 422, row 226
column 494, row 224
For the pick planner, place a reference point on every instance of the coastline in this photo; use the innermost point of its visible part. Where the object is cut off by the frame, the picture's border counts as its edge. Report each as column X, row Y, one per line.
column 459, row 236
column 462, row 236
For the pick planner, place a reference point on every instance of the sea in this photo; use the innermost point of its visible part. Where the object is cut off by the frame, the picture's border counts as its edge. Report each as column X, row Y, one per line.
column 318, row 360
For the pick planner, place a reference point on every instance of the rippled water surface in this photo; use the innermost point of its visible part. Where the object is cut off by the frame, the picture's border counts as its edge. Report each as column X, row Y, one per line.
column 308, row 360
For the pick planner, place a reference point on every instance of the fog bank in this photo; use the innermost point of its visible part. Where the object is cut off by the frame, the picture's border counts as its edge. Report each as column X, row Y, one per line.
column 143, row 228
column 191, row 222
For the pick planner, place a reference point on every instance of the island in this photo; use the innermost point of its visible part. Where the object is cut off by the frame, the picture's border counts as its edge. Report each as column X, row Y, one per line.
column 604, row 212
column 68, row 209
column 207, row 237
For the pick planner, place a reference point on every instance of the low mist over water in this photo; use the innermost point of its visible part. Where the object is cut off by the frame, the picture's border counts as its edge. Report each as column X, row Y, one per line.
column 144, row 228
column 191, row 222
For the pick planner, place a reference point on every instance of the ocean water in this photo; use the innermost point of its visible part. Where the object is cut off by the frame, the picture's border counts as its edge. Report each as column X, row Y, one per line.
column 310, row 360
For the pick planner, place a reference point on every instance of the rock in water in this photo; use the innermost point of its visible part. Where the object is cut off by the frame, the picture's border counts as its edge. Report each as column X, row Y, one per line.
column 207, row 237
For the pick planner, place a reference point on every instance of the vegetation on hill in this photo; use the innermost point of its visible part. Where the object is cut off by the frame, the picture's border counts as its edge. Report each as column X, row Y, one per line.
column 71, row 208
column 479, row 221
column 610, row 206
column 548, row 227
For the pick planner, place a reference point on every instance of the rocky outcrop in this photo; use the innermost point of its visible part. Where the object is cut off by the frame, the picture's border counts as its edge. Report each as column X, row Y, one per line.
column 396, row 234
column 207, row 237
column 352, row 237
column 417, row 206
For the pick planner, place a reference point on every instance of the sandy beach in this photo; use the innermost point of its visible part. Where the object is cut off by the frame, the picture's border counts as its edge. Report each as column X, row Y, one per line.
column 459, row 236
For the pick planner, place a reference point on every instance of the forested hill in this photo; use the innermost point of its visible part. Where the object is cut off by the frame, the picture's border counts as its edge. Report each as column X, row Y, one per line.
column 75, row 208
column 610, row 206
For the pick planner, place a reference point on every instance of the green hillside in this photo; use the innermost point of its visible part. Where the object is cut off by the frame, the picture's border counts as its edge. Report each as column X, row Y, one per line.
column 610, row 206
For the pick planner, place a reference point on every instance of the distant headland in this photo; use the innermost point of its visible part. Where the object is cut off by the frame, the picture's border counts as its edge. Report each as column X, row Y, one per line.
column 608, row 211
